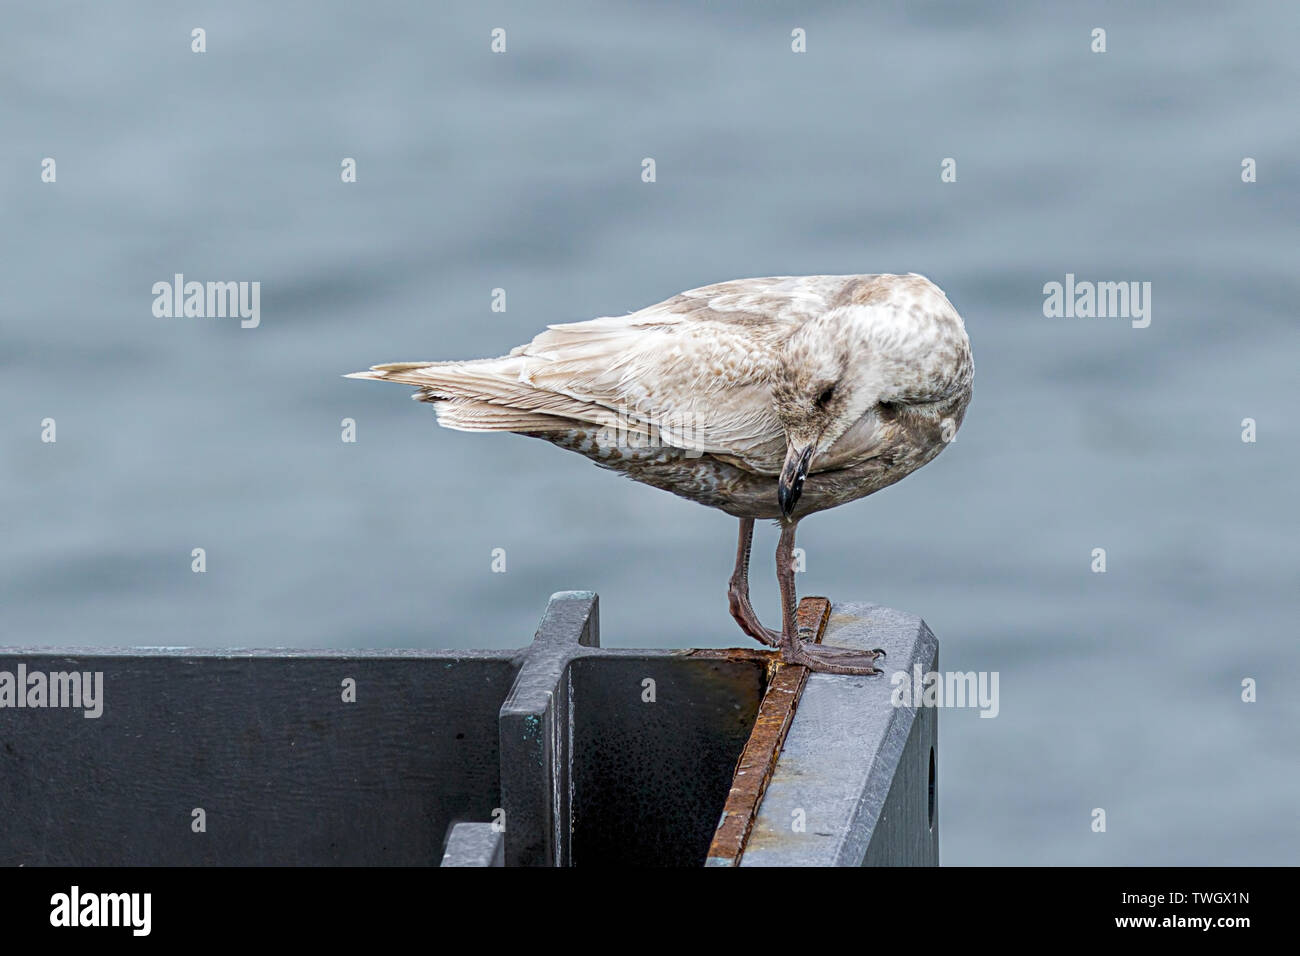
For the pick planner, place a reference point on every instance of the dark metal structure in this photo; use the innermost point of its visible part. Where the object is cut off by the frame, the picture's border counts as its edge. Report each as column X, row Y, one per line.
column 564, row 753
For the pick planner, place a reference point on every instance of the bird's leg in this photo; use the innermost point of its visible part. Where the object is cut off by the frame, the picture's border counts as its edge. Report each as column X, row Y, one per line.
column 794, row 650
column 738, row 590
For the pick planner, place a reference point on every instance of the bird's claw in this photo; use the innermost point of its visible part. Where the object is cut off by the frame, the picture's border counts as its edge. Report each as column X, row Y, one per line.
column 823, row 658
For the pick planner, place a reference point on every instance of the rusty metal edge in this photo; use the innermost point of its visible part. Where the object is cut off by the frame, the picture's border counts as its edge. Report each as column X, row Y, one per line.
column 758, row 759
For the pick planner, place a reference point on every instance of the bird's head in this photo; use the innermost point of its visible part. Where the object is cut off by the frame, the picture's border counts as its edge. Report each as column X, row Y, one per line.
column 821, row 389
column 882, row 358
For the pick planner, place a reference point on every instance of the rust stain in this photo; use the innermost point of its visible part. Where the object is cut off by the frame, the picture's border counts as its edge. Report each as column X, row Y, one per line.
column 758, row 759
column 730, row 654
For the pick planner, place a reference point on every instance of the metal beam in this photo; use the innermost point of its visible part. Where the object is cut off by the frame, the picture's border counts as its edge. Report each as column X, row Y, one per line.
column 474, row 844
column 759, row 758
column 535, row 734
column 856, row 783
column 596, row 756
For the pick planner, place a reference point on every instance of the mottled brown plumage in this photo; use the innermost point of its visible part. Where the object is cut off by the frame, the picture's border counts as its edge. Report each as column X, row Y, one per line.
column 765, row 398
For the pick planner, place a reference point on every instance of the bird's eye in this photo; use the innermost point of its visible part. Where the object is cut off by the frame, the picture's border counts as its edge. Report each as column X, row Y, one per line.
column 824, row 398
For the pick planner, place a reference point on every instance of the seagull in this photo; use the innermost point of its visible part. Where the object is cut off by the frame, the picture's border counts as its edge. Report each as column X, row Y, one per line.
column 769, row 398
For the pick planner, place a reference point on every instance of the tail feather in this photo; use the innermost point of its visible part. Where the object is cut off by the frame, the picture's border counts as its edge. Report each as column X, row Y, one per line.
column 493, row 395
column 483, row 417
column 401, row 366
column 391, row 372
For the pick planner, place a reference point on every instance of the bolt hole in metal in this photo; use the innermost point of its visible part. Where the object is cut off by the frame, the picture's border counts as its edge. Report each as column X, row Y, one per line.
column 932, row 788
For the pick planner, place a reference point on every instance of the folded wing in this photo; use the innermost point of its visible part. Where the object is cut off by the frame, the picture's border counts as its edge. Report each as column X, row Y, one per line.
column 692, row 372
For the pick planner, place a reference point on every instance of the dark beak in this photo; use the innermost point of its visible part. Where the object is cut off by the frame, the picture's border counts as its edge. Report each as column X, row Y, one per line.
column 793, row 473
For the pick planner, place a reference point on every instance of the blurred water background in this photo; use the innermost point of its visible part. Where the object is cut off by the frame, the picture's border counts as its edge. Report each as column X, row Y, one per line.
column 522, row 171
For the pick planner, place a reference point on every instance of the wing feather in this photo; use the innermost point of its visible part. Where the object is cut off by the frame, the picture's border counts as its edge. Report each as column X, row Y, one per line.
column 695, row 371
